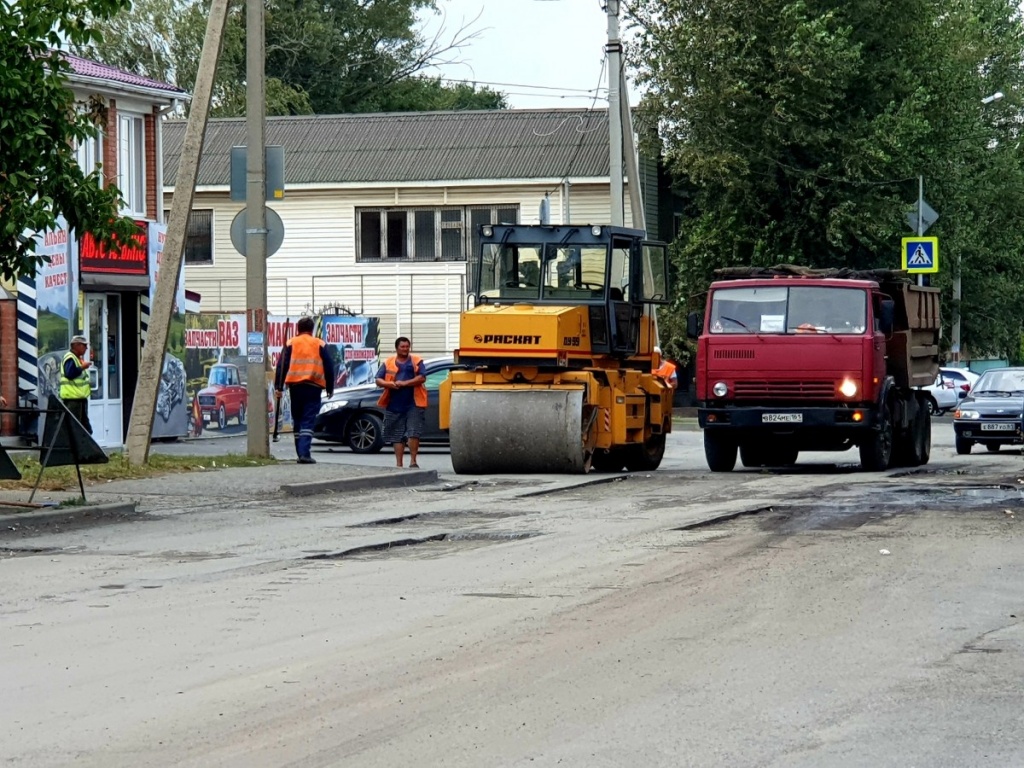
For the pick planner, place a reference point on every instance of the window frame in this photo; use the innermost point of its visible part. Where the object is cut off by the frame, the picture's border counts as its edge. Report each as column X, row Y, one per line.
column 131, row 162
column 189, row 235
column 467, row 238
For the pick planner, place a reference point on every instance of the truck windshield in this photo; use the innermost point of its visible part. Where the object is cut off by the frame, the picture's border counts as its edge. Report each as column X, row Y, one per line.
column 560, row 272
column 797, row 309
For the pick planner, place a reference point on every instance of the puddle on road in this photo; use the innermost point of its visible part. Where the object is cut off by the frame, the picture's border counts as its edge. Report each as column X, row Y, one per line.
column 425, row 547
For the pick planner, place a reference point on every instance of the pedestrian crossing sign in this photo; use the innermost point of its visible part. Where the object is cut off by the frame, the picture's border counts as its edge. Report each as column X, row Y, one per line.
column 921, row 254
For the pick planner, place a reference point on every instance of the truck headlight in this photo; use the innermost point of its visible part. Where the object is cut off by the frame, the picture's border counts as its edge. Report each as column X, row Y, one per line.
column 958, row 414
column 848, row 388
column 721, row 389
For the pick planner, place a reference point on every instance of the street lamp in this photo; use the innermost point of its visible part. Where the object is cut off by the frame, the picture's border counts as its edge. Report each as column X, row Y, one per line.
column 957, row 292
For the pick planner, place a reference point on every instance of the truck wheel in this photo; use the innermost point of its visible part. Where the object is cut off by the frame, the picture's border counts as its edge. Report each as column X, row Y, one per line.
column 926, row 440
column 752, row 456
column 608, row 461
column 646, row 457
column 963, row 445
column 719, row 451
column 876, row 451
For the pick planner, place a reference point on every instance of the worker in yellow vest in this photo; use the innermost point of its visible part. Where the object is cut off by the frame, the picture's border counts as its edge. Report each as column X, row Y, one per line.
column 667, row 371
column 404, row 400
column 307, row 369
column 75, row 388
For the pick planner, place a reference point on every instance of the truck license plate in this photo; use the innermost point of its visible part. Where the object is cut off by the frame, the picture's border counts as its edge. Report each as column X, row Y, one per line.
column 785, row 418
column 998, row 427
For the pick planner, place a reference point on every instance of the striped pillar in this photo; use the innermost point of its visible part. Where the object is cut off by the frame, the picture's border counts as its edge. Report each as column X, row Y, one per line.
column 28, row 353
column 143, row 317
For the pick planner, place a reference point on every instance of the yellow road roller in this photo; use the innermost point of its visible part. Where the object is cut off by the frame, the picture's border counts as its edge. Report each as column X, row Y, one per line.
column 558, row 343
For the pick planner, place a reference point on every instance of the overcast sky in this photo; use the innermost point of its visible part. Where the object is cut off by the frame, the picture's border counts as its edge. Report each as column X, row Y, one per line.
column 557, row 44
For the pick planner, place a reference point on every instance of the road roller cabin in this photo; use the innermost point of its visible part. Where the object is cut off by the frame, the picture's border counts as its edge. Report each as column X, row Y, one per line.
column 559, row 343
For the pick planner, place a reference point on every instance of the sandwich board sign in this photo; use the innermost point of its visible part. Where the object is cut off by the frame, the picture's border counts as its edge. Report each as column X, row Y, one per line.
column 921, row 255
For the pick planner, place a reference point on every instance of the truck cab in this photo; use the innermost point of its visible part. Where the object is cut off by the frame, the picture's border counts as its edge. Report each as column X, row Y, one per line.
column 790, row 363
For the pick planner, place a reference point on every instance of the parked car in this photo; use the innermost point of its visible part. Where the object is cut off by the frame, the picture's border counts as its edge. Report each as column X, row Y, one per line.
column 942, row 395
column 224, row 396
column 352, row 417
column 961, row 378
column 991, row 414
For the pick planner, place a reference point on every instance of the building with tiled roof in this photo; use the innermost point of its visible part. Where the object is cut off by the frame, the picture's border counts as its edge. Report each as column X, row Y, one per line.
column 380, row 211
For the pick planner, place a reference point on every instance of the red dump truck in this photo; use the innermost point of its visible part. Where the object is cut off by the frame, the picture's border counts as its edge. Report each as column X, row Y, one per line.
column 792, row 359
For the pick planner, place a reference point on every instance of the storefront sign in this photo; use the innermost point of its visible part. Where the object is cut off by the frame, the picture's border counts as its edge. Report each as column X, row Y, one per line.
column 131, row 259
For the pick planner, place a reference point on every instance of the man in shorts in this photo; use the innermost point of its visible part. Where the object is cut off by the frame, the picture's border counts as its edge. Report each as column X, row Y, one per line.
column 404, row 400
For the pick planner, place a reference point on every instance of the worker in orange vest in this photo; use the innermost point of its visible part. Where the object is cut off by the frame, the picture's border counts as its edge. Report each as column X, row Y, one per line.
column 666, row 371
column 306, row 367
column 404, row 400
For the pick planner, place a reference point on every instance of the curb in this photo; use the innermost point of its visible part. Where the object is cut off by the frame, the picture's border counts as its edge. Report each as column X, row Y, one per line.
column 56, row 516
column 363, row 482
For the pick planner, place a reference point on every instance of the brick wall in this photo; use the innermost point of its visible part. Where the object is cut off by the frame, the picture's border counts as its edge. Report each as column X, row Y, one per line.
column 9, row 362
column 150, row 132
column 110, row 144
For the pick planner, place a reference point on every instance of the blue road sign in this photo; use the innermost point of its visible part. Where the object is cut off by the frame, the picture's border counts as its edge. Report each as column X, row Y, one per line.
column 921, row 254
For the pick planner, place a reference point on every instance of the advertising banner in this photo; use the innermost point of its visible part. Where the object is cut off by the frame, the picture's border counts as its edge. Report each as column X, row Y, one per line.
column 217, row 357
column 172, row 406
column 56, row 304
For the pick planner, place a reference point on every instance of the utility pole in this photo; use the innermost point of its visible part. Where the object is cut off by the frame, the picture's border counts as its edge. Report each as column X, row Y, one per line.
column 614, row 51
column 256, row 229
column 140, row 424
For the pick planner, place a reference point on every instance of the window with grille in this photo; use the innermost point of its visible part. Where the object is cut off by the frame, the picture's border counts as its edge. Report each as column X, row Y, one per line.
column 446, row 233
column 198, row 237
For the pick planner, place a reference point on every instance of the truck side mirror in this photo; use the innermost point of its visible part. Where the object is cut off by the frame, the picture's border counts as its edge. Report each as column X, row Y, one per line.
column 886, row 315
column 694, row 325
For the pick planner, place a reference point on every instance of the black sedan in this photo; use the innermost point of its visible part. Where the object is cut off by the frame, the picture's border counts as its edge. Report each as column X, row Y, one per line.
column 352, row 416
column 991, row 414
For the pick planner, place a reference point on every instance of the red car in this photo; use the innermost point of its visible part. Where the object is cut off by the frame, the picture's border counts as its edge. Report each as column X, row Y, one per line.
column 224, row 396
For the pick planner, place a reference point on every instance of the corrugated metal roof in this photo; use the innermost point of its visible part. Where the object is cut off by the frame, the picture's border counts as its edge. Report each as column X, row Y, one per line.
column 87, row 68
column 413, row 146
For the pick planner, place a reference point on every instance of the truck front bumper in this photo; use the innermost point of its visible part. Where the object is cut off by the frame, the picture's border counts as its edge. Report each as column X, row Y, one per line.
column 786, row 420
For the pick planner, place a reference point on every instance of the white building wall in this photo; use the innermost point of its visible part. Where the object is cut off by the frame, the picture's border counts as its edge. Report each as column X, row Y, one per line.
column 316, row 265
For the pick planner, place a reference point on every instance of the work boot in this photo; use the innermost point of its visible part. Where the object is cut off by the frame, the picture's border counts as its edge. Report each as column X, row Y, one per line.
column 307, row 460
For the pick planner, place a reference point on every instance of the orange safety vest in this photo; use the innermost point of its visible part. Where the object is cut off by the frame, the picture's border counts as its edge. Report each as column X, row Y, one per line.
column 306, row 365
column 666, row 371
column 419, row 395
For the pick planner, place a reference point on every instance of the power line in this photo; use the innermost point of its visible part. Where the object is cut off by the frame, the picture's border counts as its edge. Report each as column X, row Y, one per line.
column 525, row 85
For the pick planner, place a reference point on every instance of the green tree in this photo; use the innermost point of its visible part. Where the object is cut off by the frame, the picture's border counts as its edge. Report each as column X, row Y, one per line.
column 336, row 56
column 802, row 126
column 40, row 124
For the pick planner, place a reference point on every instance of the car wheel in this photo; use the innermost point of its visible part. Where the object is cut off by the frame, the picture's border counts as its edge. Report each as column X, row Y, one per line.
column 365, row 433
column 963, row 445
column 222, row 417
column 241, row 415
column 933, row 407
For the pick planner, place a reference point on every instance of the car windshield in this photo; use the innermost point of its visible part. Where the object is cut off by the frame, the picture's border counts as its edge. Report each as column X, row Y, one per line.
column 778, row 309
column 219, row 376
column 1000, row 382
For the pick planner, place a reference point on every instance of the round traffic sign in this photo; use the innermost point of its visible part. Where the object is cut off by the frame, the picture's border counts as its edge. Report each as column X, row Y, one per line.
column 275, row 232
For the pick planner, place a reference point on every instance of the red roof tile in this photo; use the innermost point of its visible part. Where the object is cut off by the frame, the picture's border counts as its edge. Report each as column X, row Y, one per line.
column 87, row 68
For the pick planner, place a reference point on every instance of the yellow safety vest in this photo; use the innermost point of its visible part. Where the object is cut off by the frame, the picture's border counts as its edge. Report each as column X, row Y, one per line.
column 74, row 389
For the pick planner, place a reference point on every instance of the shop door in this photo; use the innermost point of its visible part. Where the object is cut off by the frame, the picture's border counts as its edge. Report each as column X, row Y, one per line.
column 103, row 327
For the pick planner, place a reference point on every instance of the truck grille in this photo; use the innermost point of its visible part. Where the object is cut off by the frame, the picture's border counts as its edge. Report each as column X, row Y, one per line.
column 734, row 354
column 808, row 390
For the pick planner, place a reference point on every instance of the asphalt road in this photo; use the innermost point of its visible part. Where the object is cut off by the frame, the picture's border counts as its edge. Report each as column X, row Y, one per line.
column 817, row 617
